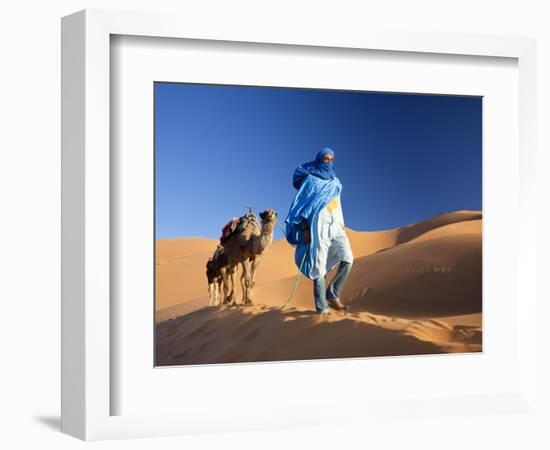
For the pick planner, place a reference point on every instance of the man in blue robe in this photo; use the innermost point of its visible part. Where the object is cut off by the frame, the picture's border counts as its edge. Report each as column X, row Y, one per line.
column 315, row 224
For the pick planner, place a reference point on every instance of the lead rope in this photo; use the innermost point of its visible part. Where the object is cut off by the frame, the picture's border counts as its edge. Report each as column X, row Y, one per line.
column 287, row 301
column 295, row 282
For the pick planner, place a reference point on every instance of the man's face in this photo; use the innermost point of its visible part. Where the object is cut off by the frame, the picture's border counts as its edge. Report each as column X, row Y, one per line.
column 328, row 158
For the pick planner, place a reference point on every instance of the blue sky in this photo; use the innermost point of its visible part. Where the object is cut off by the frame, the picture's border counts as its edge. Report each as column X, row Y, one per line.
column 401, row 157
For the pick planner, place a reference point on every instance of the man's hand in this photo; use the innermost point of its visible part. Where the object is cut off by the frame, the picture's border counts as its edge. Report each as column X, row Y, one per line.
column 305, row 231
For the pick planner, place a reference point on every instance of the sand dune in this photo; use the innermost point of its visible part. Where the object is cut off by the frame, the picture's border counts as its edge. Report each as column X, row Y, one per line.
column 366, row 243
column 262, row 333
column 168, row 250
column 410, row 275
column 412, row 231
column 440, row 276
column 181, row 261
column 180, row 274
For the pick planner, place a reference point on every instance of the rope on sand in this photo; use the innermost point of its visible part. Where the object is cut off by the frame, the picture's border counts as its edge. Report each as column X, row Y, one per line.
column 287, row 301
column 295, row 282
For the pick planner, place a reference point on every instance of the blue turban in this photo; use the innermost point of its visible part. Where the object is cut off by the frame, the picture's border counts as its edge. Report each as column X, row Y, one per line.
column 318, row 168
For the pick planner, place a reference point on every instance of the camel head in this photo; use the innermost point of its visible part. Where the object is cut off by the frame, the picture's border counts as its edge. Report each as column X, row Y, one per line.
column 269, row 216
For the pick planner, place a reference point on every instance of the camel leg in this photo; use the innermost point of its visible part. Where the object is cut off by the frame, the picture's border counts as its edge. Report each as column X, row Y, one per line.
column 247, row 282
column 255, row 264
column 219, row 282
column 210, row 294
column 225, row 279
column 222, row 290
column 243, row 281
column 231, row 298
column 225, row 288
column 213, row 287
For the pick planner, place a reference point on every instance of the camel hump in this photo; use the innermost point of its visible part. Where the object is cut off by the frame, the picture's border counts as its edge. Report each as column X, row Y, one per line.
column 247, row 221
column 245, row 225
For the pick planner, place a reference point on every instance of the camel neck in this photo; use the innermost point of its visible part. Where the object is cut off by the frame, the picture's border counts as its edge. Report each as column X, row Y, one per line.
column 267, row 228
column 265, row 238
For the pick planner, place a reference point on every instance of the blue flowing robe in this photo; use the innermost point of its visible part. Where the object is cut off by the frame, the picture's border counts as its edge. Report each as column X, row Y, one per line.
column 327, row 244
column 334, row 245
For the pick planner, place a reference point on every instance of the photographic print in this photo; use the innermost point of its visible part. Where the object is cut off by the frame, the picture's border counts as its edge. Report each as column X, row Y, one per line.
column 299, row 223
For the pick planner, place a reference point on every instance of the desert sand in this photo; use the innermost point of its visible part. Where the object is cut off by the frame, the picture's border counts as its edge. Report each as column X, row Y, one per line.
column 412, row 290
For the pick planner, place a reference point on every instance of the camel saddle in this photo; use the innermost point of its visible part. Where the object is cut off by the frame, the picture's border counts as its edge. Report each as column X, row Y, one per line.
column 236, row 225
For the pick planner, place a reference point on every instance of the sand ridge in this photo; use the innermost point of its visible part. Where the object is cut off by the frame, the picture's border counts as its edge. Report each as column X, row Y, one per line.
column 264, row 333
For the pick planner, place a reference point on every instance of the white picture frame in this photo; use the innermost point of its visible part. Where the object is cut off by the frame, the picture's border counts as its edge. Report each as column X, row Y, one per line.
column 86, row 240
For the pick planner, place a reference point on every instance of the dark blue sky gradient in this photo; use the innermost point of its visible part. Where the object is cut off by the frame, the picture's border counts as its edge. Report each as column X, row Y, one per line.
column 401, row 158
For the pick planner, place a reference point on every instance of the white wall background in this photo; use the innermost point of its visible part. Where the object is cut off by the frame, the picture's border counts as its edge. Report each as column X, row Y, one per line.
column 29, row 229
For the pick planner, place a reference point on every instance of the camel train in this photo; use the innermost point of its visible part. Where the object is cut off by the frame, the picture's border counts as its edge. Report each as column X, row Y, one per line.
column 243, row 243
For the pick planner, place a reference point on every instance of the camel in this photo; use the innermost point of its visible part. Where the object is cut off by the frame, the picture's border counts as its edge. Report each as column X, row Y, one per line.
column 246, row 248
column 215, row 282
column 214, row 268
